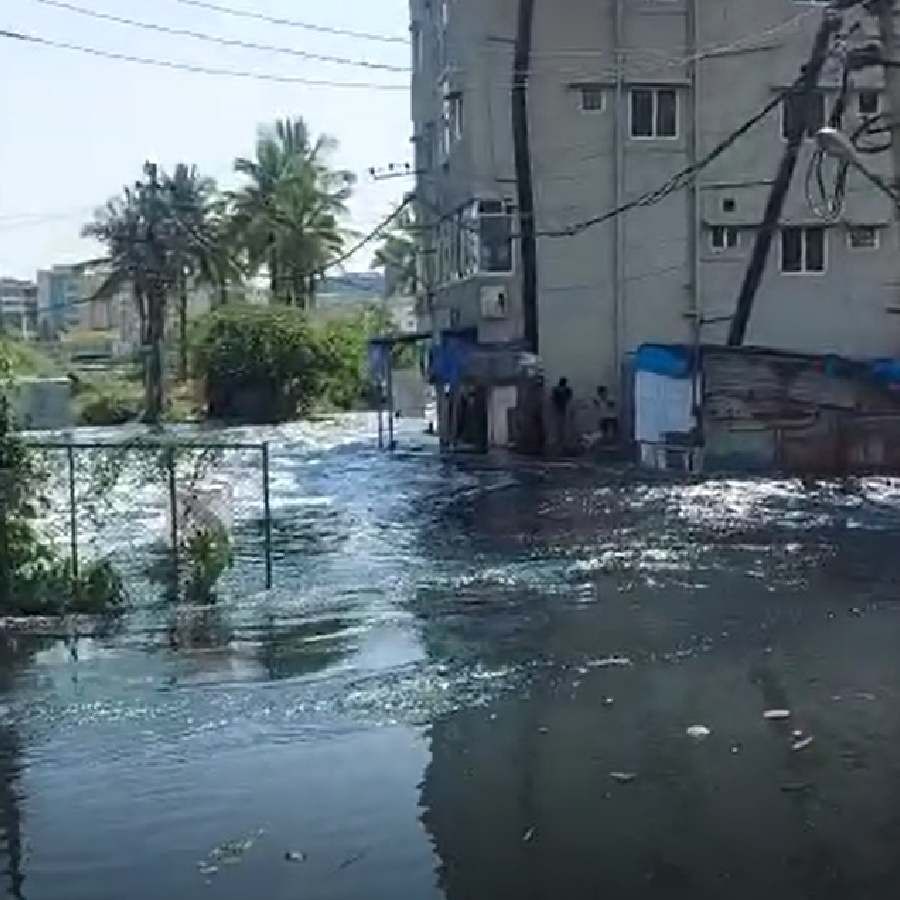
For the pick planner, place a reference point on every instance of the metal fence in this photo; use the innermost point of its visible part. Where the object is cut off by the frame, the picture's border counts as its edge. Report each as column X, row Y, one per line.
column 137, row 504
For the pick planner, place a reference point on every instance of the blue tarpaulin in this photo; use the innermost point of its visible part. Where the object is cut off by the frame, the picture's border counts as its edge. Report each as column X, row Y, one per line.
column 449, row 359
column 673, row 361
column 886, row 371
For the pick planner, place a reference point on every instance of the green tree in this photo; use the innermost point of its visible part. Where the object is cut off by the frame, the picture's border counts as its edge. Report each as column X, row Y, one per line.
column 158, row 234
column 288, row 214
column 397, row 255
column 258, row 364
column 201, row 243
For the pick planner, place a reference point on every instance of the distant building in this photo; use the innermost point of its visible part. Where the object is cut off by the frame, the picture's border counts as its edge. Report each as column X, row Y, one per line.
column 18, row 308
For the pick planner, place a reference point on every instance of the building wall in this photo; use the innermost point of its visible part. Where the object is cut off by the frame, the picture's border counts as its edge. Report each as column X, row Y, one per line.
column 648, row 275
column 18, row 308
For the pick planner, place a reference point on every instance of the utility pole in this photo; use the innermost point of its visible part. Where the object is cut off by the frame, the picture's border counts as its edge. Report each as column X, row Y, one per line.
column 890, row 46
column 799, row 96
column 524, row 183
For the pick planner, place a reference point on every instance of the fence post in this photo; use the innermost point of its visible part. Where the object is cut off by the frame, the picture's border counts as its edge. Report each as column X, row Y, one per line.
column 73, row 513
column 392, row 444
column 173, row 506
column 267, row 507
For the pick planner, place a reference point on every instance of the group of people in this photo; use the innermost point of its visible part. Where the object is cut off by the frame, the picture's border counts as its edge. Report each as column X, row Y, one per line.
column 604, row 409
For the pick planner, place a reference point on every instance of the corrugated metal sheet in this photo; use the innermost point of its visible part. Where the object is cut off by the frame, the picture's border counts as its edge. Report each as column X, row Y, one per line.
column 765, row 410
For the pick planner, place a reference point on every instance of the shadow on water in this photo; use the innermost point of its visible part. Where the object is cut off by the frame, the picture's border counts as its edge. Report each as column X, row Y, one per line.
column 15, row 654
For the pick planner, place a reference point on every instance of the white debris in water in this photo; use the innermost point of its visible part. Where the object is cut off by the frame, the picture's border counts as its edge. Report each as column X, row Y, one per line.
column 528, row 836
column 623, row 777
column 698, row 732
column 802, row 744
column 610, row 662
column 295, row 856
column 776, row 715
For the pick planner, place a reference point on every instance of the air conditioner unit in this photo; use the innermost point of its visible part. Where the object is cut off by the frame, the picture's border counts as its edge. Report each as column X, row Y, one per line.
column 494, row 302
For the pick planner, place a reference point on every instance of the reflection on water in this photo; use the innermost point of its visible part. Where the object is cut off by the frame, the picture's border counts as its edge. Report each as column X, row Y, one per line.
column 476, row 681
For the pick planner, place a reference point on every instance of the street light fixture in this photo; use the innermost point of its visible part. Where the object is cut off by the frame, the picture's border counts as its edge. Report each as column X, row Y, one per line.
column 834, row 143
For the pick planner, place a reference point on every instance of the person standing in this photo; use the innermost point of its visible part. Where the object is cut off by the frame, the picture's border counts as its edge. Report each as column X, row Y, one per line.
column 561, row 400
column 607, row 415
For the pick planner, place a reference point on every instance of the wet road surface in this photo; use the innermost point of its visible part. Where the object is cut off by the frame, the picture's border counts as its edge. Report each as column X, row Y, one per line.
column 476, row 682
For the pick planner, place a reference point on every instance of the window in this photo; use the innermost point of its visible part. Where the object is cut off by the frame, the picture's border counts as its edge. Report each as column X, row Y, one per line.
column 593, row 99
column 868, row 103
column 724, row 237
column 453, row 121
column 654, row 113
column 806, row 111
column 863, row 237
column 729, row 205
column 496, row 240
column 803, row 251
column 477, row 239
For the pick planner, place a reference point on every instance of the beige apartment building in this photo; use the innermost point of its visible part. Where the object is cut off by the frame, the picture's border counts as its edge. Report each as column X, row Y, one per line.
column 622, row 94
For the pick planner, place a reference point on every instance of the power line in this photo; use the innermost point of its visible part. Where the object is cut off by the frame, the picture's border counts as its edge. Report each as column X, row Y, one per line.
column 214, row 39
column 199, row 70
column 293, row 23
column 364, row 241
column 679, row 180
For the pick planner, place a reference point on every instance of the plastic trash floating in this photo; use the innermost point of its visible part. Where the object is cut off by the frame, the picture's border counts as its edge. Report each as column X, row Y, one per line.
column 698, row 732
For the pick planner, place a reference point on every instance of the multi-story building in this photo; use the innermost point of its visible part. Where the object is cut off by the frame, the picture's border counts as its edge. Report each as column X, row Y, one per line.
column 18, row 308
column 622, row 94
column 66, row 303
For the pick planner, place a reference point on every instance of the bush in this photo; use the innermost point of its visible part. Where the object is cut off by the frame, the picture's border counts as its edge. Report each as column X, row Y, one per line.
column 109, row 401
column 208, row 554
column 20, row 358
column 34, row 580
column 258, row 364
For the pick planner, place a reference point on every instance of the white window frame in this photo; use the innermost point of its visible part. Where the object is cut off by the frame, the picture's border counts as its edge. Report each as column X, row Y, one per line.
column 459, row 242
column 726, row 230
column 508, row 211
column 654, row 90
column 878, row 105
column 876, row 231
column 823, row 93
column 583, row 90
column 804, row 272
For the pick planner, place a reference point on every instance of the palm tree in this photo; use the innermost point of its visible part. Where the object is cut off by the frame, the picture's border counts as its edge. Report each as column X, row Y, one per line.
column 134, row 229
column 158, row 234
column 200, row 245
column 397, row 255
column 288, row 214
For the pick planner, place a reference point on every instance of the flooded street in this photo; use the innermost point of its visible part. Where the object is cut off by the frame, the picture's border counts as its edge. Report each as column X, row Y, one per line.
column 477, row 681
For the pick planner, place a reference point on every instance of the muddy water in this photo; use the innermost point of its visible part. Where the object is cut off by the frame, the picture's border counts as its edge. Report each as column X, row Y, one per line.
column 476, row 682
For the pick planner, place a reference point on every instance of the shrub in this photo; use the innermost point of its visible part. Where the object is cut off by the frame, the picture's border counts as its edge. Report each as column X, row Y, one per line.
column 258, row 364
column 109, row 402
column 208, row 555
column 34, row 580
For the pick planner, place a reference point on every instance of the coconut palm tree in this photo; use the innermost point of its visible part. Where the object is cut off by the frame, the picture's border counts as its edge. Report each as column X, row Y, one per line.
column 200, row 243
column 158, row 234
column 137, row 233
column 288, row 213
column 397, row 255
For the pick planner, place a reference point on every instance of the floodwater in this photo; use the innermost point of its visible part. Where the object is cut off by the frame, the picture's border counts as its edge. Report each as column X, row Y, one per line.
column 475, row 681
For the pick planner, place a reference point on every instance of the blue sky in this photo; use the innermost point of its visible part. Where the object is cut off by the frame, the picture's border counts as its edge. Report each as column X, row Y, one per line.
column 74, row 129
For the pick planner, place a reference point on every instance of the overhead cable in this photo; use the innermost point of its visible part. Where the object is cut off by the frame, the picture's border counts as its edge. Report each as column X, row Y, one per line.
column 222, row 41
column 200, row 70
column 293, row 23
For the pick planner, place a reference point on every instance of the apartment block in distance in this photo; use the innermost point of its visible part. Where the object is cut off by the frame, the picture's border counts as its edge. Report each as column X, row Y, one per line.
column 622, row 94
